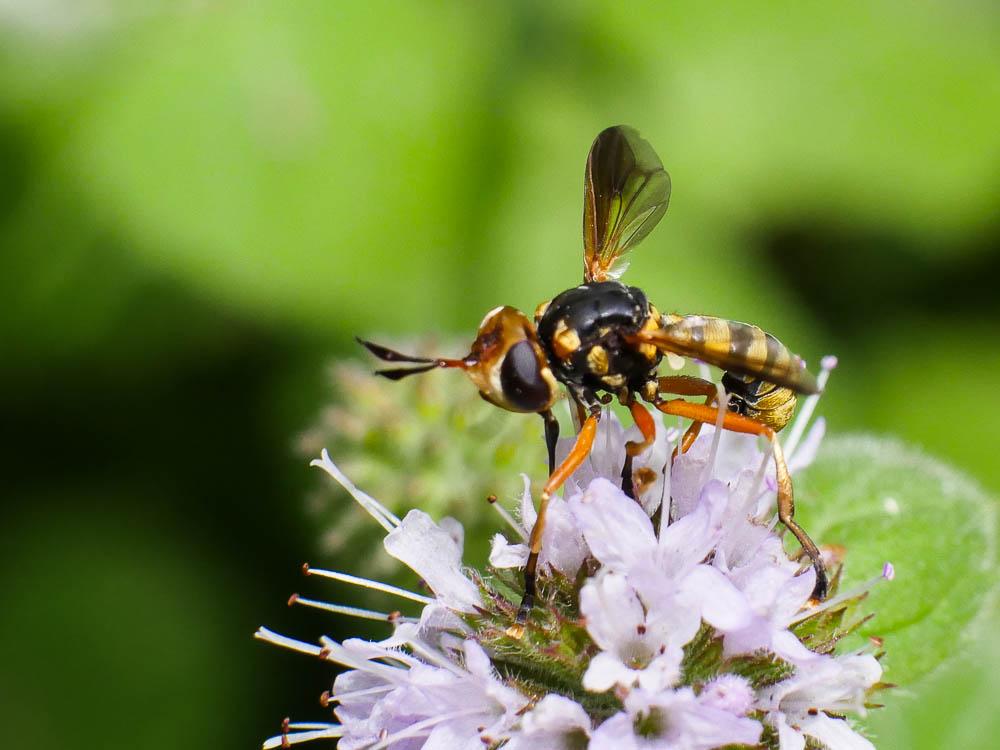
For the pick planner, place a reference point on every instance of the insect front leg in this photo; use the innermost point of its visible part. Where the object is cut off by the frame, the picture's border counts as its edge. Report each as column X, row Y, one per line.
column 786, row 501
column 581, row 449
column 551, row 437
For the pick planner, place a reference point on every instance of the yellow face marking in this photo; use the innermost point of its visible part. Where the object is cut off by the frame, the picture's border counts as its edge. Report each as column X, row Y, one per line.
column 565, row 340
column 597, row 360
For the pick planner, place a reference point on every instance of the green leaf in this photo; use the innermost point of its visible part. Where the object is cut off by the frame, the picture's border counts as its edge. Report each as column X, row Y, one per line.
column 884, row 501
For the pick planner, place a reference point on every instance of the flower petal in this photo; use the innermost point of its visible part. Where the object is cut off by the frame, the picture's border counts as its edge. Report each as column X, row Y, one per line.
column 730, row 693
column 556, row 713
column 432, row 553
column 503, row 554
column 720, row 603
column 605, row 671
column 616, row 529
column 612, row 611
column 788, row 737
column 836, row 734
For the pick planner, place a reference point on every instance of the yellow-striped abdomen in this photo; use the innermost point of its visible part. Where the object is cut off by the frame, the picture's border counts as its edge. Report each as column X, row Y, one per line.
column 735, row 347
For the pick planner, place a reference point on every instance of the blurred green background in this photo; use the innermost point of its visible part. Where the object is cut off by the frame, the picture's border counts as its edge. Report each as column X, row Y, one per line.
column 202, row 202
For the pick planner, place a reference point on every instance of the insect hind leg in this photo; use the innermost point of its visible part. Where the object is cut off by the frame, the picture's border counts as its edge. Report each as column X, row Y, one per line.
column 786, row 500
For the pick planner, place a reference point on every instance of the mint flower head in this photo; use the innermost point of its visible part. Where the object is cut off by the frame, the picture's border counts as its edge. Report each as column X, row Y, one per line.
column 674, row 621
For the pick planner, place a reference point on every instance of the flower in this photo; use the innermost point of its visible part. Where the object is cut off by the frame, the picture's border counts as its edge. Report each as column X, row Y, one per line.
column 676, row 621
column 669, row 720
column 797, row 706
column 556, row 723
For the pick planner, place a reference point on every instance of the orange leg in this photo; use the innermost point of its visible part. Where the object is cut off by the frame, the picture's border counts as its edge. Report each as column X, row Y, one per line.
column 786, row 501
column 644, row 421
column 584, row 442
column 686, row 385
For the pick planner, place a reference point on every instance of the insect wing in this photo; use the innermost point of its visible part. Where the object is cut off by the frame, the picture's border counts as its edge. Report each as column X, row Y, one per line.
column 739, row 348
column 626, row 191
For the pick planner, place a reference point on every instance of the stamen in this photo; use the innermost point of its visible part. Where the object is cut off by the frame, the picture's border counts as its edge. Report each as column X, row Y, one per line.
column 437, row 660
column 418, row 729
column 722, row 399
column 341, row 609
column 506, row 516
column 756, row 489
column 330, row 731
column 382, row 515
column 338, row 654
column 302, row 726
column 351, row 694
column 368, row 583
column 263, row 634
column 888, row 573
column 827, row 365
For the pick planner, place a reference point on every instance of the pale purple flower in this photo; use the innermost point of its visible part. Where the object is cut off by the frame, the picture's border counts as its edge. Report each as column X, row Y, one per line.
column 667, row 572
column 403, row 698
column 776, row 595
column 638, row 646
column 434, row 554
column 563, row 546
column 796, row 706
column 556, row 723
column 673, row 720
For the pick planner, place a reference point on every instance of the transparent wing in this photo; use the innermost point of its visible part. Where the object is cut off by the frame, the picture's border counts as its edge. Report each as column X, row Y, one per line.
column 626, row 191
column 740, row 348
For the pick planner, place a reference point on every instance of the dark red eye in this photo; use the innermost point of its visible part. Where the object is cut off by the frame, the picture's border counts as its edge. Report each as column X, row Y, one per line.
column 521, row 378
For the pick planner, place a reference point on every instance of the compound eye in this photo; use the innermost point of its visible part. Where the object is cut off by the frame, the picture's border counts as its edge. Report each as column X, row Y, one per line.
column 521, row 378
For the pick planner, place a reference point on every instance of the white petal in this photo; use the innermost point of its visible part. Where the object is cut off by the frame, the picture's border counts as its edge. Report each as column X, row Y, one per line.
column 616, row 529
column 687, row 477
column 433, row 555
column 555, row 713
column 528, row 513
column 616, row 733
column 688, row 541
column 792, row 597
column 788, row 738
column 503, row 554
column 729, row 693
column 563, row 546
column 453, row 527
column 477, row 662
column 612, row 611
column 720, row 603
column 449, row 735
column 790, row 648
column 605, row 671
column 664, row 671
column 836, row 734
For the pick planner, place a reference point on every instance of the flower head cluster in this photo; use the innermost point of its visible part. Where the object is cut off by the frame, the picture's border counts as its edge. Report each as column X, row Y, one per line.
column 675, row 621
